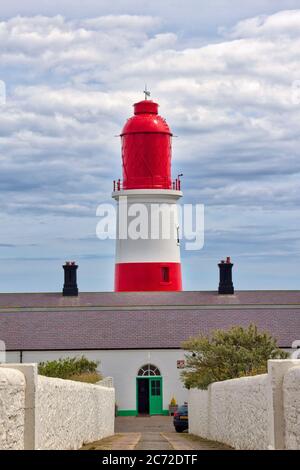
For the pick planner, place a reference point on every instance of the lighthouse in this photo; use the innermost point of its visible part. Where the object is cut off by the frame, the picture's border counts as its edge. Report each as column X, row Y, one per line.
column 146, row 198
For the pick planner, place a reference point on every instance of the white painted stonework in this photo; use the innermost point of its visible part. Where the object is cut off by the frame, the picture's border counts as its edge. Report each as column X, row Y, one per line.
column 239, row 412
column 41, row 413
column 291, row 400
column 233, row 412
column 260, row 412
column 12, row 406
column 199, row 411
column 70, row 413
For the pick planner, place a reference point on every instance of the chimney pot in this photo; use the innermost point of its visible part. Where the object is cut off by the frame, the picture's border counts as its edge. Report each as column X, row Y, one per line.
column 226, row 284
column 70, row 279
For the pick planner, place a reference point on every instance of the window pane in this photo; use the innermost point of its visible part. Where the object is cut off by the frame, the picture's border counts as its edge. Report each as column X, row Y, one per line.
column 155, row 388
column 165, row 274
column 148, row 369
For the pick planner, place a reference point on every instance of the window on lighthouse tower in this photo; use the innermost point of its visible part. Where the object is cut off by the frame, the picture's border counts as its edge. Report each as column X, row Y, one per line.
column 165, row 274
column 178, row 240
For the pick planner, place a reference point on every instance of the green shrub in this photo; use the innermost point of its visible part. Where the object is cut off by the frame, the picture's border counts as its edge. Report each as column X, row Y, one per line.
column 230, row 354
column 87, row 377
column 68, row 367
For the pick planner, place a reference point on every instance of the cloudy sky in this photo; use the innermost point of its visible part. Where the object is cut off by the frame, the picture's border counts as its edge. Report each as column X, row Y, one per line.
column 227, row 76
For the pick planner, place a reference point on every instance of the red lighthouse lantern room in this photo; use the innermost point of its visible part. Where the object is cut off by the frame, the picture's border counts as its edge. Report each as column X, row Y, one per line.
column 146, row 149
column 147, row 263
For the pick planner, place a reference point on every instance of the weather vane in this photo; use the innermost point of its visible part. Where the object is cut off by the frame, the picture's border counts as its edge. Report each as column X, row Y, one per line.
column 147, row 93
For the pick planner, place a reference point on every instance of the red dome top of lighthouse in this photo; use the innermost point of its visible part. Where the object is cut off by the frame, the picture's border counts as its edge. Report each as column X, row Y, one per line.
column 146, row 119
column 146, row 149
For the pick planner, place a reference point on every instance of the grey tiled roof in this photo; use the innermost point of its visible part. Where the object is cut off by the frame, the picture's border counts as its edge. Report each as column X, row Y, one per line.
column 149, row 298
column 140, row 320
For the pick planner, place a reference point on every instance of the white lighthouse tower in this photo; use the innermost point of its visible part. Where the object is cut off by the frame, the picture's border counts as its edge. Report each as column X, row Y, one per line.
column 147, row 196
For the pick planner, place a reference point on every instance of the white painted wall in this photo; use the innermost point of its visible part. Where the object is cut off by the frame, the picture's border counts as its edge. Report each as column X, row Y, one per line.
column 123, row 366
column 291, row 401
column 13, row 357
column 161, row 211
column 239, row 412
column 198, row 406
column 45, row 413
column 260, row 412
column 234, row 412
column 12, row 409
column 69, row 414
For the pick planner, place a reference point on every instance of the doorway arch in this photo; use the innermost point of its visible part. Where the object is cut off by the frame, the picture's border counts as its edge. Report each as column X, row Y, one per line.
column 148, row 369
column 149, row 390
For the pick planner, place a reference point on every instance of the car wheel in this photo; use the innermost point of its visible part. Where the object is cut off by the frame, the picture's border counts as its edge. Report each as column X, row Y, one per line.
column 177, row 429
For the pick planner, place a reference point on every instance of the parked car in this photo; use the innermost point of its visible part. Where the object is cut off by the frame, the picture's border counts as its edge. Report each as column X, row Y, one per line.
column 181, row 420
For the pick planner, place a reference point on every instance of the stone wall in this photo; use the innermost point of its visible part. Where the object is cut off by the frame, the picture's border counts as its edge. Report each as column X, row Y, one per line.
column 38, row 412
column 291, row 401
column 260, row 412
column 70, row 413
column 239, row 412
column 12, row 409
column 199, row 412
column 233, row 412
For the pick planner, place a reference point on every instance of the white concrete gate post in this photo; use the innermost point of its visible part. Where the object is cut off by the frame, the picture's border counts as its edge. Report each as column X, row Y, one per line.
column 30, row 372
column 277, row 369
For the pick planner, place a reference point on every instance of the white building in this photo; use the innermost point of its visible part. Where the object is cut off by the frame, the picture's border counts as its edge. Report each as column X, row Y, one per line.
column 137, row 336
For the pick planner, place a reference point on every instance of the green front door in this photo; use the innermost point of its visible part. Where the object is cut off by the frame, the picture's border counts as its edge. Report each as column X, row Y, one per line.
column 155, row 395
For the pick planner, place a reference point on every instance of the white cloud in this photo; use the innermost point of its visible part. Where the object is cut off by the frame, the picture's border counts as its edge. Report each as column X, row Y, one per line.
column 282, row 23
column 124, row 22
column 229, row 99
column 71, row 84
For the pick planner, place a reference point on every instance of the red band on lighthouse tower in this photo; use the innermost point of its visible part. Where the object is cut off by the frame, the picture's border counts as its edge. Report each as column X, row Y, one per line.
column 147, row 264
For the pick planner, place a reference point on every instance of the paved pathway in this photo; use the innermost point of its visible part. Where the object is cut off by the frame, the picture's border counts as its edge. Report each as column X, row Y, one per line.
column 144, row 424
column 153, row 441
column 151, row 433
column 187, row 441
column 126, row 441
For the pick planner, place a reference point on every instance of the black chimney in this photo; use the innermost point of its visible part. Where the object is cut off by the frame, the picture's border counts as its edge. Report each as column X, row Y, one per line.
column 226, row 285
column 70, row 285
